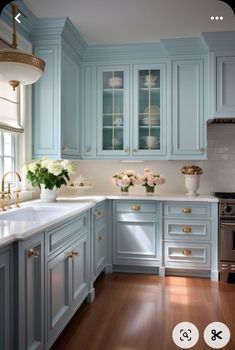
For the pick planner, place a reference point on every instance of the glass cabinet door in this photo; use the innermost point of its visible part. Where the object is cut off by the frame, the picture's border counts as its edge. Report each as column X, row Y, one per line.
column 148, row 126
column 113, row 110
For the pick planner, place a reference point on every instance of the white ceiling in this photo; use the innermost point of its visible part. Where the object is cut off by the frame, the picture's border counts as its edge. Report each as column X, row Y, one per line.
column 137, row 21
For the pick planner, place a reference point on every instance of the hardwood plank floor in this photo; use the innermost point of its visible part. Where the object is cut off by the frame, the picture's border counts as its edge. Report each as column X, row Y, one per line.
column 139, row 312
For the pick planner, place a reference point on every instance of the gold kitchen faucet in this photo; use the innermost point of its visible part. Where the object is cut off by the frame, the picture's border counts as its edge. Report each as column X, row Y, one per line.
column 7, row 194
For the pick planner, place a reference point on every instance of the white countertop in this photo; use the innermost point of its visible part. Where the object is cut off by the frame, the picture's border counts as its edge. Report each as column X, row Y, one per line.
column 72, row 205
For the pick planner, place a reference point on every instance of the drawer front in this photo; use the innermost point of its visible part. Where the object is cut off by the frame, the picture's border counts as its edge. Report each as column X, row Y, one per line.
column 135, row 206
column 187, row 255
column 65, row 233
column 187, row 210
column 187, row 230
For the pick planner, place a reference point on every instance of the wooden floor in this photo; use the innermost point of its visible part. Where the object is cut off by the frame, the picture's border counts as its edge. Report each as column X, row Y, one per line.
column 139, row 312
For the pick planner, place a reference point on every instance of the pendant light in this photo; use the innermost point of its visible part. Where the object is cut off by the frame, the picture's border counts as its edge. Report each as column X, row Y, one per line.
column 18, row 67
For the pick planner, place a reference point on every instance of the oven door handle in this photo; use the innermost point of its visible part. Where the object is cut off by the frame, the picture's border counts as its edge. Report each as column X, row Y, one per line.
column 227, row 224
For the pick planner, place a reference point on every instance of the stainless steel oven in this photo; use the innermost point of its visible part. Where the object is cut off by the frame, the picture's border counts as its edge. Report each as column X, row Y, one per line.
column 227, row 241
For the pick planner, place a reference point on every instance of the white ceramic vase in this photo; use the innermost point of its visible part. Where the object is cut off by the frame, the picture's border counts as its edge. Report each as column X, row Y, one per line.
column 192, row 184
column 47, row 195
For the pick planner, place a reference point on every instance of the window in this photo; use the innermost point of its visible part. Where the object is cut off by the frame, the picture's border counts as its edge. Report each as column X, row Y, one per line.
column 7, row 152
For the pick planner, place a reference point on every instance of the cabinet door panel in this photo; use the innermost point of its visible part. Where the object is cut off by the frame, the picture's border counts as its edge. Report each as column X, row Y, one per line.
column 70, row 106
column 46, row 130
column 188, row 111
column 225, row 91
column 100, row 248
column 58, row 293
column 32, row 292
column 79, row 275
column 5, row 301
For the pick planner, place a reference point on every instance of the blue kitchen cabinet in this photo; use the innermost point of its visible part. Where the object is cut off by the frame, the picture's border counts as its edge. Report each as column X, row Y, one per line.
column 99, row 244
column 136, row 236
column 31, row 293
column 225, row 86
column 6, row 299
column 57, row 96
column 67, row 273
column 113, row 111
column 190, row 238
column 188, row 124
column 149, row 113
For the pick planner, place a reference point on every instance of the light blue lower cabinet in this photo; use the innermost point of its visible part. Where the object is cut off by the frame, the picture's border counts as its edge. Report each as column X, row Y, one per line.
column 99, row 244
column 31, row 293
column 67, row 277
column 136, row 240
column 6, row 300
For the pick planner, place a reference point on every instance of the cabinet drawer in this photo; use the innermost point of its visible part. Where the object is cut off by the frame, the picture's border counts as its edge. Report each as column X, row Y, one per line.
column 187, row 210
column 187, row 255
column 65, row 233
column 187, row 230
column 135, row 206
column 99, row 213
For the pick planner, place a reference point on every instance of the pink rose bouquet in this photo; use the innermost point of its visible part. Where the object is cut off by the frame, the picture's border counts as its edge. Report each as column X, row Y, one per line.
column 149, row 180
column 125, row 179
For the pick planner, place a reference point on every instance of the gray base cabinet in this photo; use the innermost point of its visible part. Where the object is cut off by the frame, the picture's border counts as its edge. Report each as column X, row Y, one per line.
column 6, row 298
column 31, row 293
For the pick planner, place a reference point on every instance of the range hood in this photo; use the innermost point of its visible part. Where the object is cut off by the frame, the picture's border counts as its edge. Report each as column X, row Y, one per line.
column 221, row 121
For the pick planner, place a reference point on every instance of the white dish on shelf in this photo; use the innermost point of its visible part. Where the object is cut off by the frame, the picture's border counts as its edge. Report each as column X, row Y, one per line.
column 149, row 84
column 151, row 121
column 115, row 82
column 152, row 110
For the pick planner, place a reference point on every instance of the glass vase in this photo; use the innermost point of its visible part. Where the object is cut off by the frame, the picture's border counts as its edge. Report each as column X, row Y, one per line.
column 149, row 190
column 125, row 190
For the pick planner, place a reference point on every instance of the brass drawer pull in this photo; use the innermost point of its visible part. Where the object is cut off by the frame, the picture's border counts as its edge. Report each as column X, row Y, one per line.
column 187, row 229
column 73, row 254
column 32, row 253
column 187, row 210
column 135, row 207
column 187, row 252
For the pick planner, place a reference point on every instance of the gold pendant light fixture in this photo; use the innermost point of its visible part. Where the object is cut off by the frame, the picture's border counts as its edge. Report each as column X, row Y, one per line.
column 18, row 67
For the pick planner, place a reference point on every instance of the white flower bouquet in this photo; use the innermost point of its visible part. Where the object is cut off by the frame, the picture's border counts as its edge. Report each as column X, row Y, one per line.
column 149, row 180
column 125, row 179
column 49, row 173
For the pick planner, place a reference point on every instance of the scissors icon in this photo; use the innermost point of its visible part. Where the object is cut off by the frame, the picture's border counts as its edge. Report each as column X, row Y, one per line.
column 216, row 335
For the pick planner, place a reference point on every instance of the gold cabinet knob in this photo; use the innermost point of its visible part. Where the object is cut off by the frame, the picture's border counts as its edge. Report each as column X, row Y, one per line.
column 99, row 214
column 32, row 253
column 187, row 210
column 187, row 229
column 100, row 238
column 187, row 252
column 135, row 207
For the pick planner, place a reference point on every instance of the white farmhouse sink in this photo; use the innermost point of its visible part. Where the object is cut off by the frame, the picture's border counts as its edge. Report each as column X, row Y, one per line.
column 37, row 213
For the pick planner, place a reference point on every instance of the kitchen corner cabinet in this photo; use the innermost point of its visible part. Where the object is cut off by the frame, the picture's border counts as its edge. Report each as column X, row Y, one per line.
column 98, row 240
column 57, row 102
column 31, row 293
column 6, row 299
column 188, row 137
column 136, row 240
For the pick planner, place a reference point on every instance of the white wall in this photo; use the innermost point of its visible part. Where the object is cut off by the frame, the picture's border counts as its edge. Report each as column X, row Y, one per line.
column 218, row 170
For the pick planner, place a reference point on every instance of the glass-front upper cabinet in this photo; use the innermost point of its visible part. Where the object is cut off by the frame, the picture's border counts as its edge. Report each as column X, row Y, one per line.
column 113, row 107
column 149, row 112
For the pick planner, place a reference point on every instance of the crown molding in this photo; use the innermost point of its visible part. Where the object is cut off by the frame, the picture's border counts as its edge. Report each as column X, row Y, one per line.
column 219, row 41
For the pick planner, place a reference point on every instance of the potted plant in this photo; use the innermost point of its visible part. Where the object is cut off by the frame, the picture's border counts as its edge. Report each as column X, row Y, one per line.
column 48, row 175
column 192, row 179
column 125, row 179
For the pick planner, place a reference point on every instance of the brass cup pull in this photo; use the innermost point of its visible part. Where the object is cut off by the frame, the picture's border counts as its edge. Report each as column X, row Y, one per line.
column 135, row 207
column 73, row 254
column 187, row 252
column 32, row 253
column 187, row 210
column 100, row 238
column 187, row 229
